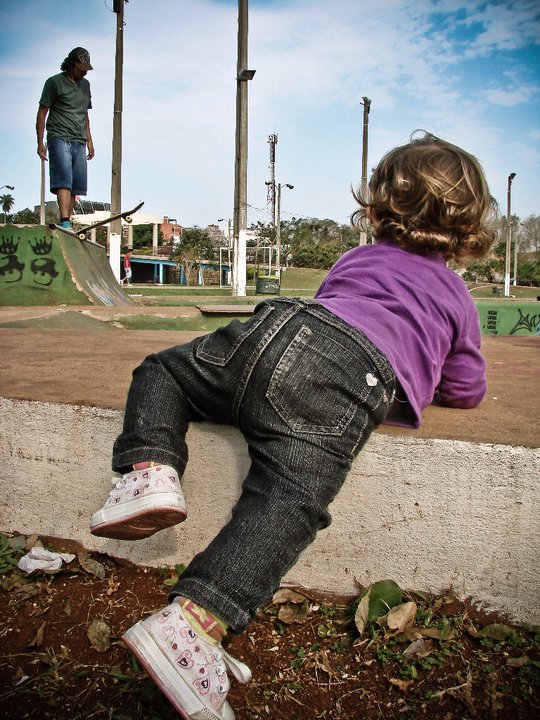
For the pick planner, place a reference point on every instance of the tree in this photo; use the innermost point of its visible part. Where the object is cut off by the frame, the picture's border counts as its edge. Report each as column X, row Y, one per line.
column 8, row 201
column 317, row 243
column 492, row 268
column 27, row 217
column 143, row 236
column 529, row 234
column 195, row 245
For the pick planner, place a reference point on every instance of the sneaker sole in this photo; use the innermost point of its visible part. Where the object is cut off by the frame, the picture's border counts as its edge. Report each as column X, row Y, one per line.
column 147, row 516
column 148, row 653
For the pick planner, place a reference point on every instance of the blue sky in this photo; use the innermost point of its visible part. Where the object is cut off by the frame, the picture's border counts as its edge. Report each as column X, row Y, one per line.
column 466, row 70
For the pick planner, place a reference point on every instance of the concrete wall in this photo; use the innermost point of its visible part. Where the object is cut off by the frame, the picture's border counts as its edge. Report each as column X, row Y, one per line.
column 431, row 514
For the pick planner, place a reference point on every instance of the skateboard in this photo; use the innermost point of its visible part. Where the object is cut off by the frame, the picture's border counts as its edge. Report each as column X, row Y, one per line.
column 82, row 234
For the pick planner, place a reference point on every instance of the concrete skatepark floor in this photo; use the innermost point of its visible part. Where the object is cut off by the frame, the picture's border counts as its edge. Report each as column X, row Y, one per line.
column 307, row 658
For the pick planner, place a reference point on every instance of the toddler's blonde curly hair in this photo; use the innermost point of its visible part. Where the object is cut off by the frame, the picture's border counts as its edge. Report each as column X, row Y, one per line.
column 430, row 196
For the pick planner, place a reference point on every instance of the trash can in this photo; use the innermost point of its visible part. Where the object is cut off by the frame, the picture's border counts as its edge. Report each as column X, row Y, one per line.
column 267, row 285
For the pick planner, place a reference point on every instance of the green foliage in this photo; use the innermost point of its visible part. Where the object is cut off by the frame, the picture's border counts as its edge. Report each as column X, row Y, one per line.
column 143, row 236
column 27, row 217
column 527, row 236
column 7, row 201
column 317, row 243
column 9, row 556
column 196, row 240
column 310, row 242
column 529, row 272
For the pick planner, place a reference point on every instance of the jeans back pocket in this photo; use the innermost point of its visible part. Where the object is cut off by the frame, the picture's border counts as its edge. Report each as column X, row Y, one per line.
column 219, row 347
column 319, row 382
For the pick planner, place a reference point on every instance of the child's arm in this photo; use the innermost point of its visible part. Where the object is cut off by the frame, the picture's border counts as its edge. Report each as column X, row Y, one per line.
column 463, row 380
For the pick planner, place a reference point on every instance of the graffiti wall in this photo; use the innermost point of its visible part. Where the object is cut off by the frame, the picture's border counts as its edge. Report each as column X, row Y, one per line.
column 43, row 267
column 33, row 270
column 510, row 317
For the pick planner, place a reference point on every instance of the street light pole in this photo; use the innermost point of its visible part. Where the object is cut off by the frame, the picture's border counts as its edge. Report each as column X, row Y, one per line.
column 116, row 179
column 278, row 227
column 514, row 280
column 241, row 144
column 508, row 236
column 367, row 104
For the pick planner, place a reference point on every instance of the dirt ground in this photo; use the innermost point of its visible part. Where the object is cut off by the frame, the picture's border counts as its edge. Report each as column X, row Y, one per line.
column 451, row 661
column 308, row 659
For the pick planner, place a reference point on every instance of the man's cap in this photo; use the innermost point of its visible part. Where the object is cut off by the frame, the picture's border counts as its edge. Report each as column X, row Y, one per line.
column 81, row 57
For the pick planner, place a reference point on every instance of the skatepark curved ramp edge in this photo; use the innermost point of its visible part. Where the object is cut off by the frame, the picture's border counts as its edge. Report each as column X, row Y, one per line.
column 40, row 266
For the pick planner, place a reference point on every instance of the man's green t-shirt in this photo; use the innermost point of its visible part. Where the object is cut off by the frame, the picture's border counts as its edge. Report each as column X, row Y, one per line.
column 67, row 103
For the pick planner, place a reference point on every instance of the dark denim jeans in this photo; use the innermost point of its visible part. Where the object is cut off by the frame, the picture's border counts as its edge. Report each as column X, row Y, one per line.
column 306, row 391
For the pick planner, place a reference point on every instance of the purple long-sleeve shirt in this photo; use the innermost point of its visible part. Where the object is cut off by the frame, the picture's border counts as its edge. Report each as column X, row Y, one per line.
column 420, row 315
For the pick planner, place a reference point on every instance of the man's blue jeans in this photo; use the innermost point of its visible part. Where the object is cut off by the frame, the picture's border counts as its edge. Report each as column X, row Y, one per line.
column 306, row 391
column 67, row 165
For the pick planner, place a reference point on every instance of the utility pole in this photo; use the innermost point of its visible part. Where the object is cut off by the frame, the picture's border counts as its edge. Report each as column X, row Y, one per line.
column 278, row 227
column 508, row 236
column 516, row 239
column 241, row 144
column 116, row 179
column 367, row 104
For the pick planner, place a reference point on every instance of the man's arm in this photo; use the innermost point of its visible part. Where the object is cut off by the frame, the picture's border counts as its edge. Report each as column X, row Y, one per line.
column 40, row 131
column 89, row 141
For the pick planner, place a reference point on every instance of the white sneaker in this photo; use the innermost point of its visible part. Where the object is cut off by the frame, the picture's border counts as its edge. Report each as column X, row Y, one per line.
column 188, row 669
column 141, row 503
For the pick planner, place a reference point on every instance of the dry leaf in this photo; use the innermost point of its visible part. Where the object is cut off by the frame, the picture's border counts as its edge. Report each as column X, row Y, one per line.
column 403, row 685
column 37, row 642
column 99, row 634
column 517, row 662
column 362, row 613
column 445, row 634
column 293, row 613
column 91, row 566
column 284, row 595
column 401, row 616
column 419, row 649
column 113, row 587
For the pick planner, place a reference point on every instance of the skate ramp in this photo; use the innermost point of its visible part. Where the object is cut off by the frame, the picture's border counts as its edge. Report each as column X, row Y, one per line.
column 39, row 266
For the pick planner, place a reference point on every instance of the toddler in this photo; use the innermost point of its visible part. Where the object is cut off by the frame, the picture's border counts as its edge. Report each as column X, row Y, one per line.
column 306, row 382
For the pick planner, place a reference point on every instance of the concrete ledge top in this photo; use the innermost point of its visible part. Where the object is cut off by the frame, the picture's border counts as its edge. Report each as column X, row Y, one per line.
column 93, row 368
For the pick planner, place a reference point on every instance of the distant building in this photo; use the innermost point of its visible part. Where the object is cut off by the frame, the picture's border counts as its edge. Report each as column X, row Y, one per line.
column 170, row 230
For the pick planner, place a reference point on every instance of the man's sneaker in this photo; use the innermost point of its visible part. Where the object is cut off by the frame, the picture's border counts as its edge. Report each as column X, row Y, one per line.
column 188, row 669
column 141, row 503
column 66, row 224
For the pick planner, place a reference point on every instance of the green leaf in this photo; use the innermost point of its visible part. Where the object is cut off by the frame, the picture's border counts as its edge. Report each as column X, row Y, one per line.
column 383, row 595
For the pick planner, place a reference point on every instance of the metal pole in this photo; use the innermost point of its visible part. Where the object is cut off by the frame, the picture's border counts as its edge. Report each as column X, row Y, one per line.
column 514, row 281
column 116, row 180
column 278, row 232
column 508, row 236
column 367, row 104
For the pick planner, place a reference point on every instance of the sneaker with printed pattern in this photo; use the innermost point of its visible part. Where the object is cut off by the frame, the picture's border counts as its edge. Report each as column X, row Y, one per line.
column 141, row 503
column 188, row 669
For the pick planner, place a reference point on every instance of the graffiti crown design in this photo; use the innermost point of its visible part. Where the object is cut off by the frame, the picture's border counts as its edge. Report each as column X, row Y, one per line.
column 7, row 246
column 42, row 246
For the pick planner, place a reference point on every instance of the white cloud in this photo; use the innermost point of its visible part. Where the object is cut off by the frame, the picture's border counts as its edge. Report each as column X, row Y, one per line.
column 427, row 64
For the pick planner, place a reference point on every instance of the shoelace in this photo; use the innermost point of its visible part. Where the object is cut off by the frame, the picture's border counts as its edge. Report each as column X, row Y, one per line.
column 239, row 669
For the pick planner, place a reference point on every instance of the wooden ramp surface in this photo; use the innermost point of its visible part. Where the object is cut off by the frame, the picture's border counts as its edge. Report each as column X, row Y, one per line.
column 226, row 309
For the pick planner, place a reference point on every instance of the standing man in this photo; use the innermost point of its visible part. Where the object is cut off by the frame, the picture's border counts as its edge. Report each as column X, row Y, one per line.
column 66, row 99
